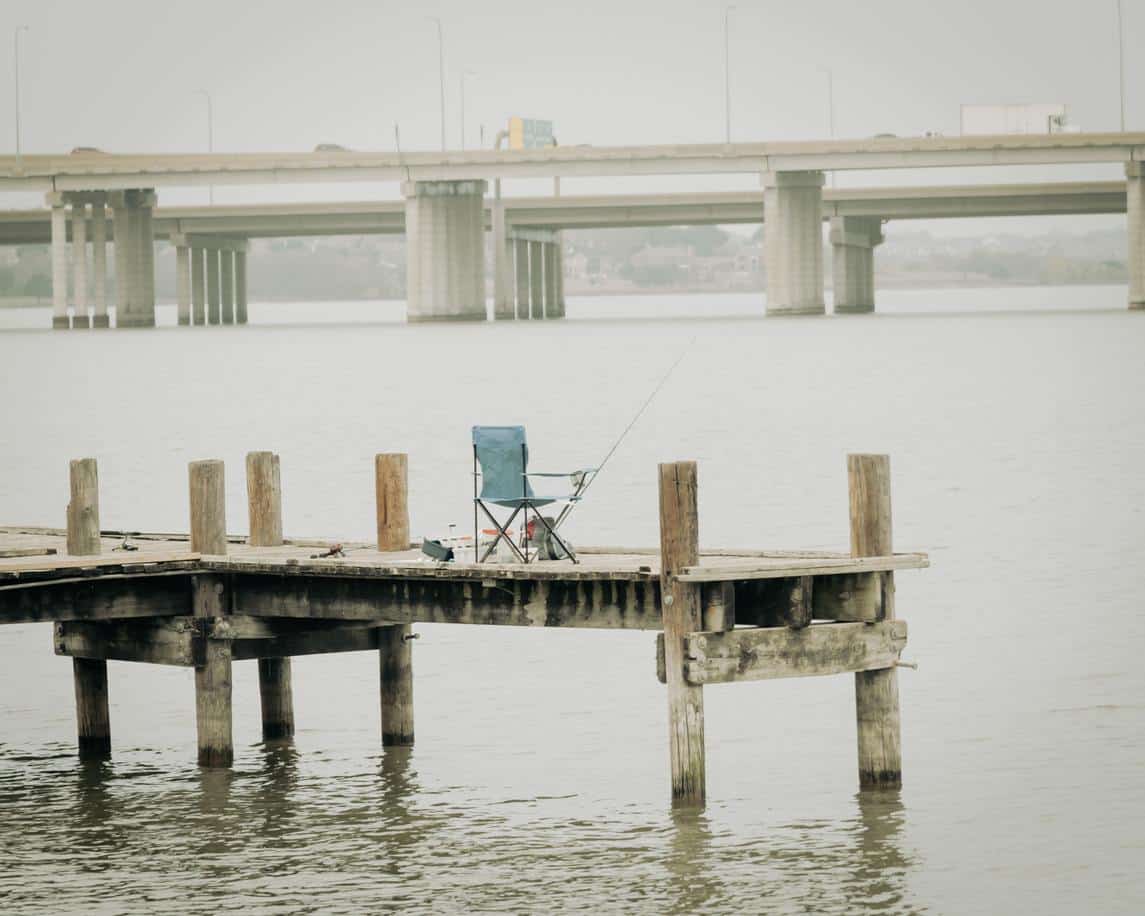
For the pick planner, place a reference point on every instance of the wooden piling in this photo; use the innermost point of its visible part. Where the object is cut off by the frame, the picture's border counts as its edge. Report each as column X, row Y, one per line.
column 680, row 601
column 83, row 508
column 264, row 502
column 876, row 692
column 208, row 507
column 392, row 488
column 395, row 665
column 213, row 714
column 395, row 643
column 93, row 717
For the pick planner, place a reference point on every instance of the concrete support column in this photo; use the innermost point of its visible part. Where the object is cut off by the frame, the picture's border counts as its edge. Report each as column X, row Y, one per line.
column 853, row 241
column 59, row 260
column 522, row 264
column 793, row 242
column 560, row 268
column 183, row 281
column 1135, row 210
column 227, row 285
column 445, row 250
column 536, row 280
column 198, row 287
column 551, row 289
column 213, row 316
column 80, row 317
column 120, row 232
column 99, row 261
column 240, row 288
column 504, row 302
column 134, row 259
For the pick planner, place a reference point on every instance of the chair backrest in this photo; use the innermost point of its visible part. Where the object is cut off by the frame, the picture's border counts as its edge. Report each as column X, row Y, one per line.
column 504, row 456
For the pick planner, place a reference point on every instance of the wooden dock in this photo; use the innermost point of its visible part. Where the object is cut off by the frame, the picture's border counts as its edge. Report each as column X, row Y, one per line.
column 205, row 600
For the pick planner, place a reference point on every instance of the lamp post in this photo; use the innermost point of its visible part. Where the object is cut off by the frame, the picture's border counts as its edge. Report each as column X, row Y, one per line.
column 210, row 136
column 462, row 86
column 16, row 58
column 727, row 81
column 1121, row 66
column 440, row 72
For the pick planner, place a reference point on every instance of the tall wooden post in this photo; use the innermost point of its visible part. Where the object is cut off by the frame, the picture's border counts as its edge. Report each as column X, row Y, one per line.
column 395, row 643
column 264, row 502
column 93, row 718
column 876, row 692
column 213, row 676
column 680, row 602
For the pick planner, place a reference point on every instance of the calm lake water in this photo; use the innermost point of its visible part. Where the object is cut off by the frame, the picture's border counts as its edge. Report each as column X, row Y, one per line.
column 539, row 781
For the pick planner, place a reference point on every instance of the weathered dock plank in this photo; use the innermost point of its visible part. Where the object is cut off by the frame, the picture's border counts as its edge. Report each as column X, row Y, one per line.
column 782, row 652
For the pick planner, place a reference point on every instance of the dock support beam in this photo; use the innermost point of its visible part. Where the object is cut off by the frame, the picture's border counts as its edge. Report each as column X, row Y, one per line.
column 793, row 242
column 1135, row 210
column 213, row 714
column 853, row 241
column 395, row 643
column 680, row 547
column 876, row 692
column 445, row 250
column 93, row 718
column 264, row 505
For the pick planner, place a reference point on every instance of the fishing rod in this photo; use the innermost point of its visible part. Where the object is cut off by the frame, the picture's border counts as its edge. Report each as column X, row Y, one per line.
column 615, row 445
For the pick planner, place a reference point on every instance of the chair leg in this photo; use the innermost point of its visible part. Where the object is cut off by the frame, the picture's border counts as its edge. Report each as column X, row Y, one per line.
column 501, row 533
column 553, row 534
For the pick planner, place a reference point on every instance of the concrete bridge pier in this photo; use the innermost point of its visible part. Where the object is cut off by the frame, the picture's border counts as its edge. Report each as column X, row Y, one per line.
column 214, row 316
column 853, row 241
column 134, row 258
column 793, row 242
column 182, row 278
column 227, row 285
column 1135, row 210
column 198, row 285
column 445, row 250
column 504, row 299
column 99, row 259
column 59, row 260
column 521, row 249
column 539, row 284
column 80, row 317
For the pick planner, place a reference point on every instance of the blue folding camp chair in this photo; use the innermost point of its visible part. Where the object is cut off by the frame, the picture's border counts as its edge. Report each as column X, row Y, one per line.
column 501, row 461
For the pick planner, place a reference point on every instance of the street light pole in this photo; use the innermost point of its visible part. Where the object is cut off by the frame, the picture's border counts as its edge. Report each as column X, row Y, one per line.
column 16, row 56
column 441, row 73
column 462, row 86
column 727, row 81
column 1121, row 66
column 210, row 136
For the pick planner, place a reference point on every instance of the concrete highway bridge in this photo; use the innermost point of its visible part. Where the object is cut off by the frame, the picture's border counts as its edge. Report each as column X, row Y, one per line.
column 445, row 212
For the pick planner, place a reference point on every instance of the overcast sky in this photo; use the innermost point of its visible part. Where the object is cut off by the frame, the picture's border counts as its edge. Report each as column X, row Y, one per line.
column 122, row 75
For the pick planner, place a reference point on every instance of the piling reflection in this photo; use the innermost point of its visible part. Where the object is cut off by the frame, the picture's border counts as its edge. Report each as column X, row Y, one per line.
column 95, row 823
column 274, row 804
column 694, row 883
column 881, row 866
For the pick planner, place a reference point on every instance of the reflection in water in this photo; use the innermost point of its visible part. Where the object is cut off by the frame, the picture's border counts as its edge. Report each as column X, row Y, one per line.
column 695, row 885
column 881, row 866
